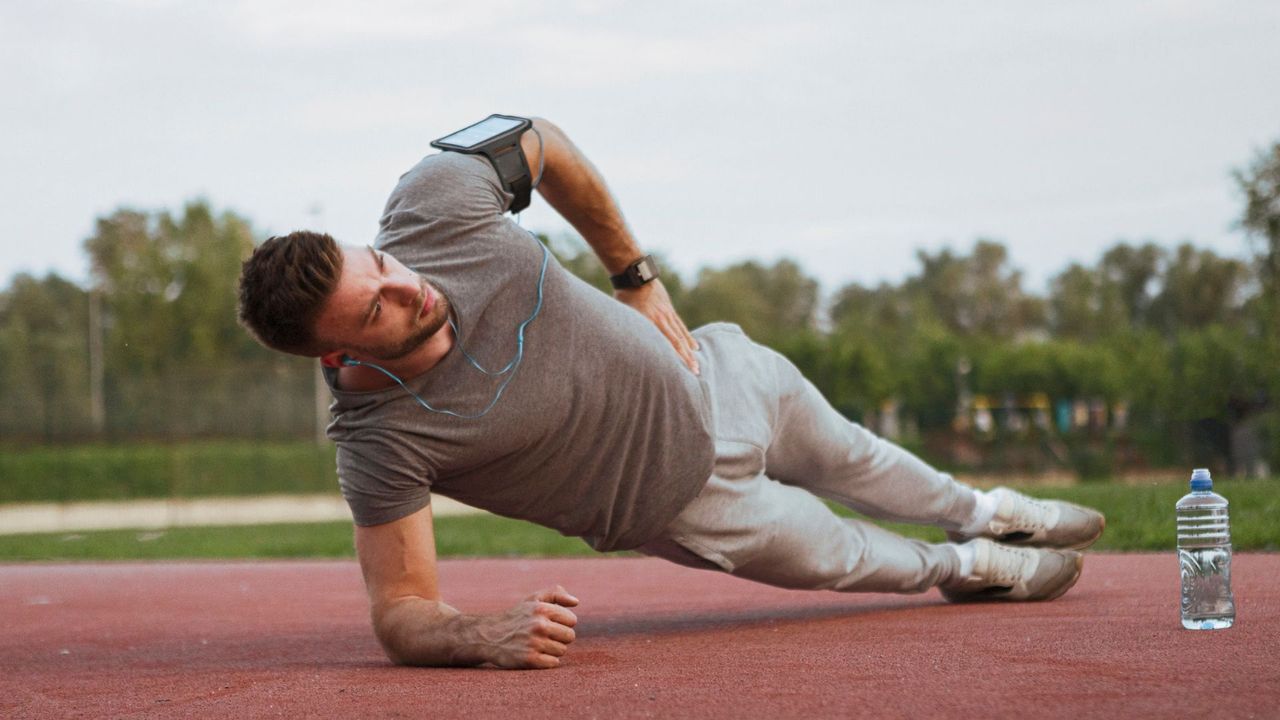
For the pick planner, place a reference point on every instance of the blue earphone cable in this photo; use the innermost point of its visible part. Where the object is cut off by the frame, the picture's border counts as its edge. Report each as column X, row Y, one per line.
column 519, row 331
column 511, row 366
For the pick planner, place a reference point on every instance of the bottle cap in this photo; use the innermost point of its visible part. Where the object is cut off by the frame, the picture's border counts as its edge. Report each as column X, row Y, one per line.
column 1200, row 480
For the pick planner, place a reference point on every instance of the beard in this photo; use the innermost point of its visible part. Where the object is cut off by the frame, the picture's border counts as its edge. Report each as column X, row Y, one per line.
column 422, row 332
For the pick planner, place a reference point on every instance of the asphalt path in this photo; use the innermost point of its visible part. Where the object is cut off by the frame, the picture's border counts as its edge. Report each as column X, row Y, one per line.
column 292, row 639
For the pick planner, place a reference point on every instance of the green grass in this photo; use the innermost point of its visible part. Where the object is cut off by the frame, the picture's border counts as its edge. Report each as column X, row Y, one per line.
column 1138, row 518
column 156, row 470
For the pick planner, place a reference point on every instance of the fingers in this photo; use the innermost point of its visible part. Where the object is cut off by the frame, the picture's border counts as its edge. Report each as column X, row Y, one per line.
column 537, row 632
column 551, row 639
column 557, row 595
column 688, row 336
column 551, row 635
column 546, row 654
column 556, row 613
column 555, row 623
column 679, row 337
column 543, row 661
column 558, row 621
column 558, row 632
column 553, row 603
column 653, row 302
column 553, row 648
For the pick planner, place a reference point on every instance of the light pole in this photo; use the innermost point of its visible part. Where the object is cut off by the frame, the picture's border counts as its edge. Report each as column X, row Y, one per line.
column 964, row 398
column 97, row 406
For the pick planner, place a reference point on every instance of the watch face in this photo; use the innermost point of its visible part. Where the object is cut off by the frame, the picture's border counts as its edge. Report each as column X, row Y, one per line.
column 646, row 270
column 637, row 274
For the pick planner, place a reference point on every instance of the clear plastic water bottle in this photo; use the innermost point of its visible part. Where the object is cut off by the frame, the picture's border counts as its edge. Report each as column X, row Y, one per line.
column 1204, row 552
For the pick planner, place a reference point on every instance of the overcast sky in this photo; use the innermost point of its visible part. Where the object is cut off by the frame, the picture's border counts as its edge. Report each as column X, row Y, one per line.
column 845, row 135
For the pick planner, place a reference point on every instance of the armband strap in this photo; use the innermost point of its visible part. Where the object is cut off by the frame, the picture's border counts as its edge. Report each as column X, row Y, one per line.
column 501, row 147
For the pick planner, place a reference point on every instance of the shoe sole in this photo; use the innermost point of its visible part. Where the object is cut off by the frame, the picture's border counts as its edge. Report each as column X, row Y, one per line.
column 968, row 599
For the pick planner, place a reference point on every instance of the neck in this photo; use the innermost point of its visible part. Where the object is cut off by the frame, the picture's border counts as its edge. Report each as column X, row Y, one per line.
column 364, row 379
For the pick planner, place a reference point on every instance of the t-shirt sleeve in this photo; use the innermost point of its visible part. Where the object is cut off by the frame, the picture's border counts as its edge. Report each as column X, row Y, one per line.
column 382, row 480
column 453, row 186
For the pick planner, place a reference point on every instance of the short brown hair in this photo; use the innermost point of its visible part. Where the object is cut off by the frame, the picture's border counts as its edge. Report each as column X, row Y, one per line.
column 283, row 286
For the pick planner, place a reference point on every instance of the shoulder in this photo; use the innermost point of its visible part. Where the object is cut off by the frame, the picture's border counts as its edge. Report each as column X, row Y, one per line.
column 443, row 195
column 445, row 164
column 450, row 179
column 378, row 458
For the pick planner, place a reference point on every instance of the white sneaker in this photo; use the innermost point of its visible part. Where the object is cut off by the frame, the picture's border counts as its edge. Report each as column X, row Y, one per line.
column 1021, row 520
column 1001, row 572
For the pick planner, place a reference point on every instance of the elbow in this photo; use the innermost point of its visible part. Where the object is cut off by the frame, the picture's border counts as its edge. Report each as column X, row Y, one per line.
column 554, row 141
column 545, row 125
column 414, row 631
column 390, row 637
column 395, row 657
column 554, row 153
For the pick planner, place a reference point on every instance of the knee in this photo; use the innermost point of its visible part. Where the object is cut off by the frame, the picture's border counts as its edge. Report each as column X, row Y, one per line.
column 807, row 558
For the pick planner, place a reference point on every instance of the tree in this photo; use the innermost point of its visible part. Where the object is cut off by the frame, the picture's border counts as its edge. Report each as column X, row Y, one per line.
column 884, row 309
column 1218, row 381
column 979, row 294
column 1089, row 303
column 169, row 287
column 1128, row 272
column 44, row 368
column 177, row 363
column 771, row 303
column 1199, row 289
column 1261, row 186
column 1080, row 305
column 1260, row 183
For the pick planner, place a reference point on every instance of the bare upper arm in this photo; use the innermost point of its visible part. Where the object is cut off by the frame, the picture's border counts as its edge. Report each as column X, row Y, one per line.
column 398, row 560
column 536, row 152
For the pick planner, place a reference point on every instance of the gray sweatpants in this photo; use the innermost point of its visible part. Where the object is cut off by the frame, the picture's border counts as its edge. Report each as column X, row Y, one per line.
column 779, row 447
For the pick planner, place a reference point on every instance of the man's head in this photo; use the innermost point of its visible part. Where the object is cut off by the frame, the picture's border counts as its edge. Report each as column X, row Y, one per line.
column 304, row 294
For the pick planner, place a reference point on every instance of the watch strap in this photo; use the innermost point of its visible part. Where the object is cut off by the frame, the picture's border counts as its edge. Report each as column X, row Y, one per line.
column 638, row 273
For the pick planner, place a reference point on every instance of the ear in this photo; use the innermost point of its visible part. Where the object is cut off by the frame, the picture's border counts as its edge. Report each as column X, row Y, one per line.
column 333, row 359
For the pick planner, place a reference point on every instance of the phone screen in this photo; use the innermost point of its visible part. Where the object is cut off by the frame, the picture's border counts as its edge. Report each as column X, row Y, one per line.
column 476, row 134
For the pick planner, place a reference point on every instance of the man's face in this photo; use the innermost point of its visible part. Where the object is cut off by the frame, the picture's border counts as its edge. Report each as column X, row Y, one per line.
column 380, row 308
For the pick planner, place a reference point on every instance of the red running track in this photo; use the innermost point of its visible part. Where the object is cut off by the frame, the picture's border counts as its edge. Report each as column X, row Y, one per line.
column 291, row 639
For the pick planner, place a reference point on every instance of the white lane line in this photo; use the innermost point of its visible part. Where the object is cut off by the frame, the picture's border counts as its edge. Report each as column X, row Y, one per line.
column 21, row 519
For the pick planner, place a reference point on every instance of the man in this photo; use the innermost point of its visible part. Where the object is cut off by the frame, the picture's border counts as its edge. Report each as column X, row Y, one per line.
column 462, row 361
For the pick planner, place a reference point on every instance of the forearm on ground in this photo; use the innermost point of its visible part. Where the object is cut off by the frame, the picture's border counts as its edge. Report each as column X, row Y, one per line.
column 417, row 631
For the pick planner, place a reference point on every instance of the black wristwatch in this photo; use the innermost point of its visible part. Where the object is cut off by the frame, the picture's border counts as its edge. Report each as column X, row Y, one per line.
column 637, row 273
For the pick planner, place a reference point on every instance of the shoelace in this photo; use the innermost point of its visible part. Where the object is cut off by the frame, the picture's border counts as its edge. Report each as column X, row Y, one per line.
column 1008, row 570
column 1028, row 514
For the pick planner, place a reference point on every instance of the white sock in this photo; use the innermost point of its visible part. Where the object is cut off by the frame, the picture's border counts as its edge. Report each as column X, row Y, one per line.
column 984, row 508
column 968, row 555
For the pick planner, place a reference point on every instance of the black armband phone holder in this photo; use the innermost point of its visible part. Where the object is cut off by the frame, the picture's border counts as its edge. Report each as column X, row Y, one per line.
column 497, row 137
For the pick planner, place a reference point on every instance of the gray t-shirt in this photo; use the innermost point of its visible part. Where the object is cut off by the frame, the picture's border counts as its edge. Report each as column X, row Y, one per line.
column 602, row 433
